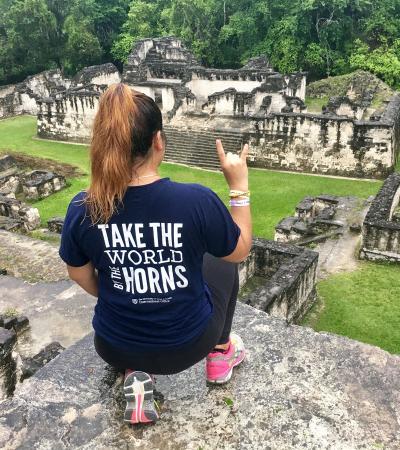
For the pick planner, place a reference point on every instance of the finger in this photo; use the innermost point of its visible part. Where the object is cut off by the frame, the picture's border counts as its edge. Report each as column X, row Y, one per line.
column 245, row 152
column 220, row 150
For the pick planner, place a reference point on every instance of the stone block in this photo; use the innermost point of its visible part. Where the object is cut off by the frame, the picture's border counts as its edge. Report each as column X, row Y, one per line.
column 380, row 233
column 31, row 365
column 309, row 391
column 40, row 184
column 55, row 224
column 11, row 224
column 7, row 341
column 10, row 184
column 9, row 322
column 326, row 213
column 286, row 224
column 300, row 227
column 21, row 324
column 8, row 165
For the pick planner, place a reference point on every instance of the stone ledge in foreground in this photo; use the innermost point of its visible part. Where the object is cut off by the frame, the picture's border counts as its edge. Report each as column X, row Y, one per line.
column 297, row 390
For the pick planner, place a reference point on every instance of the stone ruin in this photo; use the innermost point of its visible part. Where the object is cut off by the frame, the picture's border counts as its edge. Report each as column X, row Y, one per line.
column 40, row 184
column 288, row 275
column 252, row 104
column 21, row 98
column 13, row 368
column 15, row 215
column 308, row 390
column 381, row 227
column 313, row 221
column 55, row 224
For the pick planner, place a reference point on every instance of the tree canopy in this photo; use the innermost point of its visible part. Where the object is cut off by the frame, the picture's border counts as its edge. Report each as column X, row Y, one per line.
column 320, row 36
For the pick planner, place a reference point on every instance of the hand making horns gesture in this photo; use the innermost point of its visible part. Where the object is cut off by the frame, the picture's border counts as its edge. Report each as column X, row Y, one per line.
column 234, row 167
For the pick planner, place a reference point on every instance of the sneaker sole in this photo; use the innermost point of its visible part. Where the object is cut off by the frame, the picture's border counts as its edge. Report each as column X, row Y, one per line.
column 138, row 390
column 228, row 376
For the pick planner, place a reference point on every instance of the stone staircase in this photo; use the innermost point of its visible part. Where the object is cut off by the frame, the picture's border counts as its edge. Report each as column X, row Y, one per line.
column 197, row 148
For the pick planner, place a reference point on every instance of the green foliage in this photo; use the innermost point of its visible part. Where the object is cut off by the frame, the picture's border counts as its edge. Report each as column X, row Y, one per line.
column 37, row 35
column 321, row 37
column 228, row 401
column 383, row 61
column 10, row 312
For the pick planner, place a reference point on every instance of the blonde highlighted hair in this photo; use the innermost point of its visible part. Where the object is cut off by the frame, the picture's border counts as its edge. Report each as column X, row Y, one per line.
column 122, row 134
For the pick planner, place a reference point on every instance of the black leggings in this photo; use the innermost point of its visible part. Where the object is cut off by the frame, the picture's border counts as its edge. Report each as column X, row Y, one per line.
column 222, row 278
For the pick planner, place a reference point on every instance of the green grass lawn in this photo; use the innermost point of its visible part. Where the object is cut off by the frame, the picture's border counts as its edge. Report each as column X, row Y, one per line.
column 274, row 194
column 362, row 305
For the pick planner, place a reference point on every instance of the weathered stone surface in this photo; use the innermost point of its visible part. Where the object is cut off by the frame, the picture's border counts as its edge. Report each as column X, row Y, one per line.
column 15, row 209
column 7, row 363
column 100, row 74
column 21, row 324
column 31, row 365
column 9, row 322
column 10, row 184
column 55, row 224
column 290, row 276
column 31, row 259
column 7, row 341
column 40, row 184
column 297, row 389
column 287, row 223
column 21, row 98
column 58, row 311
column 381, row 234
column 11, row 224
column 8, row 165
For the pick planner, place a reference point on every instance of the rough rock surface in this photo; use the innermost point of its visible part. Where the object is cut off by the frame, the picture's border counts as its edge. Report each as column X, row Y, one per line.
column 297, row 390
column 31, row 365
column 59, row 311
column 30, row 259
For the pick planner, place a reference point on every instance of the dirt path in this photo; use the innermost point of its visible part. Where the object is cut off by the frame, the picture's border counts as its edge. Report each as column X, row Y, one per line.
column 340, row 254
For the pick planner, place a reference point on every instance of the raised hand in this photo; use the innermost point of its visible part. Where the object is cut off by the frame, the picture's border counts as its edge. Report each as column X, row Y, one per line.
column 234, row 167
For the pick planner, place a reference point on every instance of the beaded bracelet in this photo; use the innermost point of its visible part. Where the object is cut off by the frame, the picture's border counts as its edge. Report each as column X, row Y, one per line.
column 233, row 193
column 243, row 202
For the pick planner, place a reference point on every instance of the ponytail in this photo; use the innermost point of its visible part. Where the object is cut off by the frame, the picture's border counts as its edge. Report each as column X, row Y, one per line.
column 123, row 131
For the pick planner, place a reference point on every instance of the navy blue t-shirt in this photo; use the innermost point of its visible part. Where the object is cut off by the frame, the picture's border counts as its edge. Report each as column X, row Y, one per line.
column 149, row 260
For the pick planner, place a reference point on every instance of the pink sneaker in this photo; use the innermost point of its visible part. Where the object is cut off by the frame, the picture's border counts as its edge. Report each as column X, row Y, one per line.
column 220, row 365
column 140, row 403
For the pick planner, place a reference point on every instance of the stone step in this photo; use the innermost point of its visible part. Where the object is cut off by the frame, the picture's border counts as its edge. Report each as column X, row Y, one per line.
column 197, row 147
column 192, row 152
column 193, row 163
column 320, row 391
column 201, row 144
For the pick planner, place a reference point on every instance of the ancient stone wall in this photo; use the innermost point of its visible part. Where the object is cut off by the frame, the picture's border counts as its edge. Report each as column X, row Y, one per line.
column 381, row 227
column 262, row 106
column 69, row 118
column 21, row 98
column 323, row 144
column 27, row 96
column 290, row 277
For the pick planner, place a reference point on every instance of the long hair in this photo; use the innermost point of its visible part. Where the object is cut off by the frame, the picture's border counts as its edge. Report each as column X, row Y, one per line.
column 122, row 134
